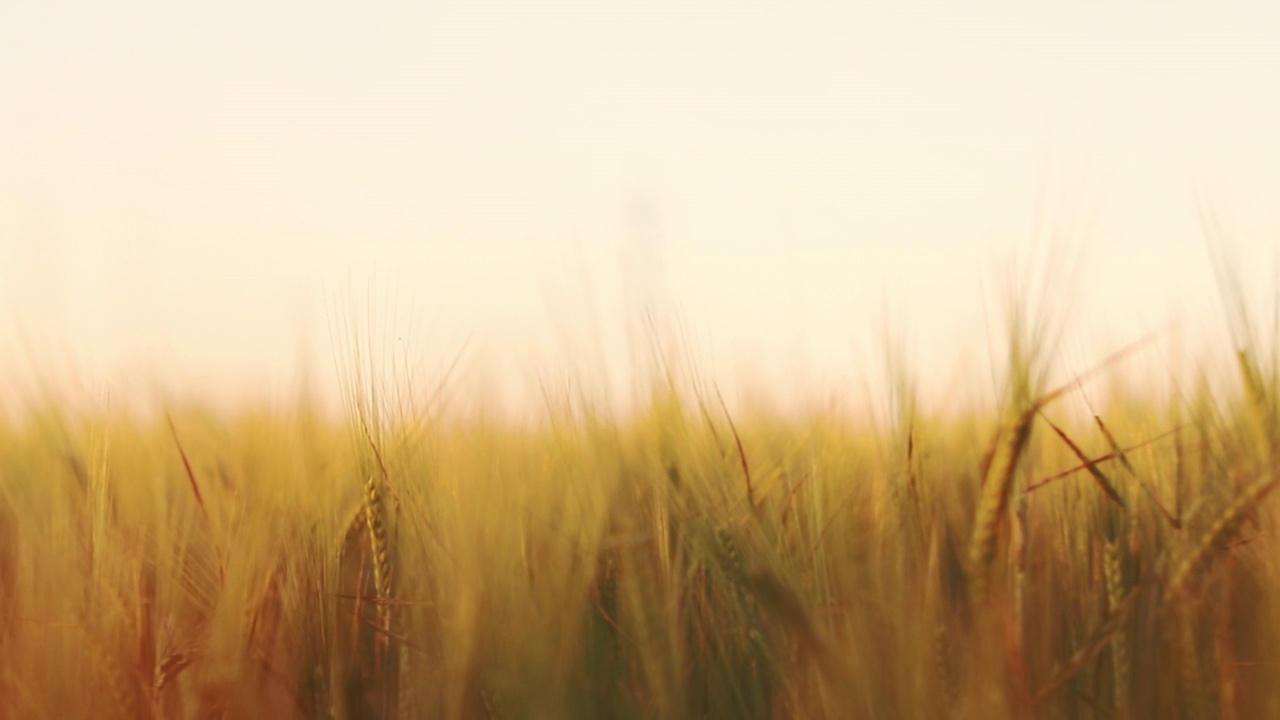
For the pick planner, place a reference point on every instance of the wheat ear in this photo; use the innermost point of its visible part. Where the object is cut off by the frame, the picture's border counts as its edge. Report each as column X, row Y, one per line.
column 995, row 500
column 1217, row 535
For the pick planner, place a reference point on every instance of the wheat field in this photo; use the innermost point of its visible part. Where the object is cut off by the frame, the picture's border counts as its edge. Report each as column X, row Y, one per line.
column 681, row 563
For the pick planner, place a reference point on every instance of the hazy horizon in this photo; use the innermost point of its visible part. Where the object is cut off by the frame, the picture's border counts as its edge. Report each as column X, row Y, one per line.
column 207, row 198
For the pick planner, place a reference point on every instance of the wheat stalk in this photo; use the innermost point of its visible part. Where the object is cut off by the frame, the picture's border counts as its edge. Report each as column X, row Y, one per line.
column 376, row 521
column 995, row 499
column 1113, row 569
column 1225, row 526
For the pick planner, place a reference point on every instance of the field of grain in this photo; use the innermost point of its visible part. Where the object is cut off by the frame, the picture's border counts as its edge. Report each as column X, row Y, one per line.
column 682, row 563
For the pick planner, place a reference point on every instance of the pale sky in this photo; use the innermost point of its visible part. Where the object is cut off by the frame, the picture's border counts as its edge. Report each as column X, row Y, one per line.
column 189, row 194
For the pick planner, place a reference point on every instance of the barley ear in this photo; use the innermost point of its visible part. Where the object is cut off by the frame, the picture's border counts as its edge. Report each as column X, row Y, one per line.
column 376, row 521
column 1113, row 570
column 995, row 500
column 1217, row 535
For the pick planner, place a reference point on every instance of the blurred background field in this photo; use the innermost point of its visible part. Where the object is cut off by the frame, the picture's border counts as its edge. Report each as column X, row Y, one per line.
column 412, row 561
column 638, row 360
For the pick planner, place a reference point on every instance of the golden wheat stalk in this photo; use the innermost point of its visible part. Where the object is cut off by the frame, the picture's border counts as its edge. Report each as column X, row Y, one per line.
column 995, row 499
column 1226, row 525
column 376, row 521
column 1113, row 570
